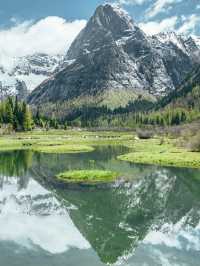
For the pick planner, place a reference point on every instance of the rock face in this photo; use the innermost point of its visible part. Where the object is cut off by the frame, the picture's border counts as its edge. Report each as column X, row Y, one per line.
column 113, row 58
column 185, row 95
column 21, row 90
column 26, row 73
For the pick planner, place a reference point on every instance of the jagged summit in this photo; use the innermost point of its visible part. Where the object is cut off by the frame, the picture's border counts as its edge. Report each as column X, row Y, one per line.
column 109, row 23
column 108, row 15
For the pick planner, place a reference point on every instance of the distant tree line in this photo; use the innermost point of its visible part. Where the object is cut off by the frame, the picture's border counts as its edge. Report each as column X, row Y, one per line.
column 104, row 117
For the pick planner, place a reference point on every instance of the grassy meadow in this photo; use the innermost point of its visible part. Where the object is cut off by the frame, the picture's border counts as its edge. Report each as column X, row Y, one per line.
column 158, row 150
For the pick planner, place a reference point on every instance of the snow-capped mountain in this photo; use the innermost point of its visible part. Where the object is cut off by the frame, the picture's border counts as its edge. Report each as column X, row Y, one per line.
column 26, row 73
column 197, row 40
column 113, row 60
column 188, row 45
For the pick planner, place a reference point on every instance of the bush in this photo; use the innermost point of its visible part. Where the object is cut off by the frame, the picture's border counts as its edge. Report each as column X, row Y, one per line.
column 162, row 141
column 145, row 134
column 194, row 144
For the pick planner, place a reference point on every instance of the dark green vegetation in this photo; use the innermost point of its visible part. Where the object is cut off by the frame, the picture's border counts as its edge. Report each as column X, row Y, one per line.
column 15, row 163
column 88, row 176
column 15, row 115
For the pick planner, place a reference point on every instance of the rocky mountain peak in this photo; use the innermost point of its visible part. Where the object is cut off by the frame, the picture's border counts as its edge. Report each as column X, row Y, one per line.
column 109, row 23
column 113, row 19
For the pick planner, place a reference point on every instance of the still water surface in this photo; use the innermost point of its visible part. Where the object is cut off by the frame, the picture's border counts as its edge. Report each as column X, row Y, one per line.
column 154, row 219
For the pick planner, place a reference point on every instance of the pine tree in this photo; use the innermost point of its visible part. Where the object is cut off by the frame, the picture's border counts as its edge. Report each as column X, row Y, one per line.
column 17, row 115
column 9, row 112
column 54, row 122
column 38, row 116
column 27, row 118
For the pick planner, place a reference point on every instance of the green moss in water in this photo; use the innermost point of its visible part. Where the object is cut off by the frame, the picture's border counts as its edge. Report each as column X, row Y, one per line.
column 88, row 176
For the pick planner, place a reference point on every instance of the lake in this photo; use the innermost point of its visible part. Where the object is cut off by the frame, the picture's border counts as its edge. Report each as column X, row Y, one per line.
column 151, row 219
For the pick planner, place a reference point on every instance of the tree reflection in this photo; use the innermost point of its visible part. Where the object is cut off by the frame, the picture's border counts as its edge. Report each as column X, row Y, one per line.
column 15, row 164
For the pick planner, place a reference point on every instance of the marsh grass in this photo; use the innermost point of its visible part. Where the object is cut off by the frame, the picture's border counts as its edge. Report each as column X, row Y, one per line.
column 63, row 149
column 88, row 176
column 165, row 153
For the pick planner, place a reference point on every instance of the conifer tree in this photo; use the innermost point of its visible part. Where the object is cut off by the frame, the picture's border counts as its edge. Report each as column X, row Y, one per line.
column 9, row 112
column 27, row 118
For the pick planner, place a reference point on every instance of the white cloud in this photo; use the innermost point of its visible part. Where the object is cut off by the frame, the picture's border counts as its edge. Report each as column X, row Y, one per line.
column 155, row 27
column 132, row 2
column 186, row 25
column 190, row 24
column 51, row 35
column 160, row 6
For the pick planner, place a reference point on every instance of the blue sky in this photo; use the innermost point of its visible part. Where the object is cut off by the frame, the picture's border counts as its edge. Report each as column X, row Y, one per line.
column 50, row 26
column 37, row 9
column 140, row 10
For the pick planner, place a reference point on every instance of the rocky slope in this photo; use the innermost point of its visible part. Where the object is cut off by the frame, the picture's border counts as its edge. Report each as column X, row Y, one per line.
column 187, row 95
column 26, row 73
column 112, row 59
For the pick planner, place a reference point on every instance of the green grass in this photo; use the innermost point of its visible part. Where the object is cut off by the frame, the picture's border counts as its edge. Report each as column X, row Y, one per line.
column 167, row 154
column 61, row 140
column 88, row 176
column 63, row 149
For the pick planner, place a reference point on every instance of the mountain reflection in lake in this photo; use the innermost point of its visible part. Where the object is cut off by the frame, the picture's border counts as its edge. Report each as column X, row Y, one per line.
column 154, row 219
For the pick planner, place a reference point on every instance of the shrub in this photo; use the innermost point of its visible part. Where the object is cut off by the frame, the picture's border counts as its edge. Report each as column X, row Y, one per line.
column 194, row 144
column 174, row 132
column 145, row 134
column 162, row 141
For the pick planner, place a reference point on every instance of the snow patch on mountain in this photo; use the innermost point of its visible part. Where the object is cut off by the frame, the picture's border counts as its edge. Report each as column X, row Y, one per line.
column 186, row 44
column 197, row 40
column 32, row 70
column 171, row 37
column 123, row 14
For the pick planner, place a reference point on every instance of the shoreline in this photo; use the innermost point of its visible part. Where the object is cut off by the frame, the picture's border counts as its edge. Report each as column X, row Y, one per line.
column 156, row 151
